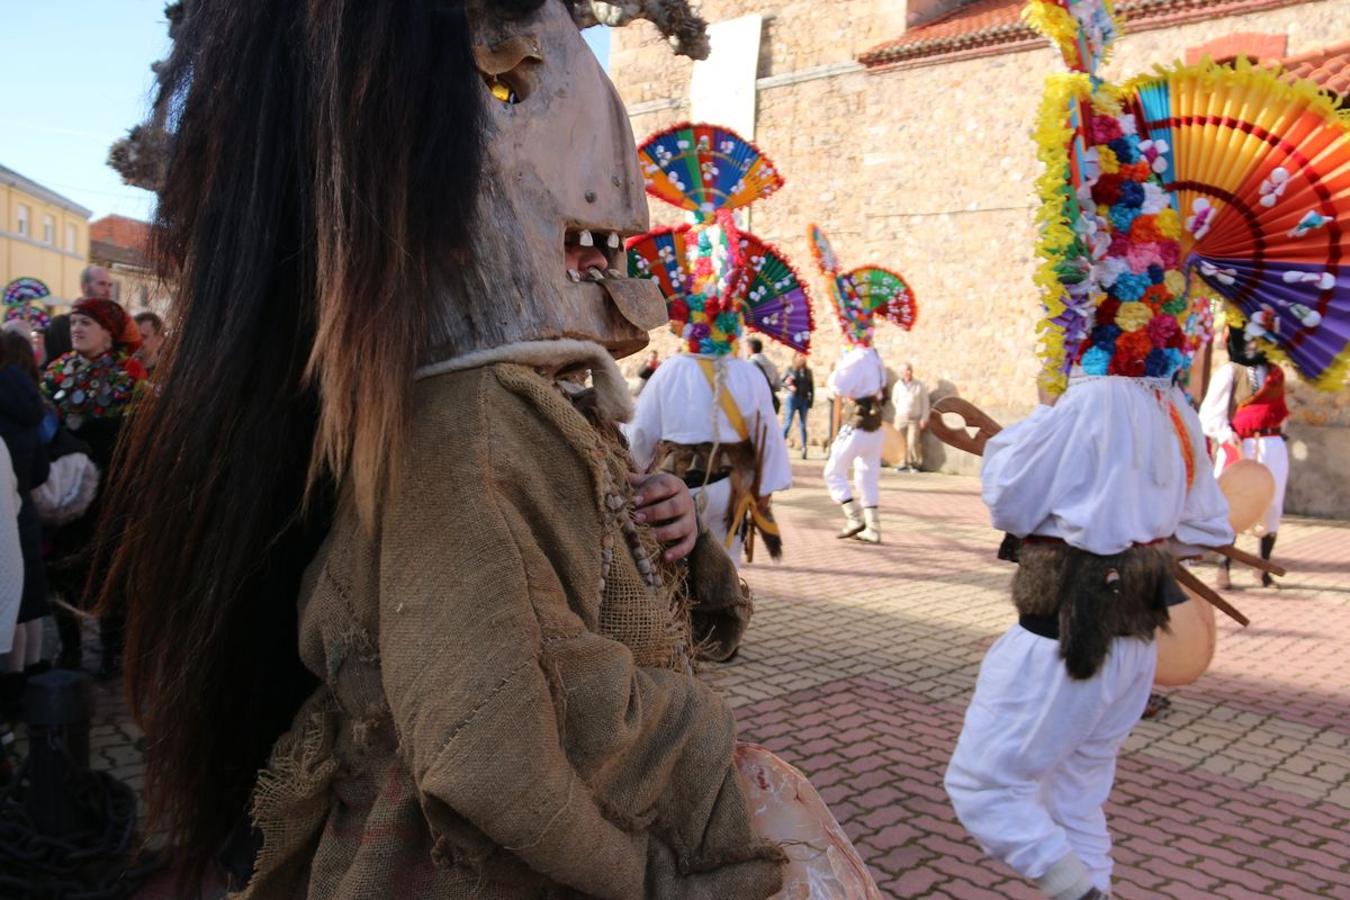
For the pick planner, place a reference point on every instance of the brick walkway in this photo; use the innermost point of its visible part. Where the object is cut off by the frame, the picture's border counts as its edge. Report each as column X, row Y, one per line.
column 861, row 659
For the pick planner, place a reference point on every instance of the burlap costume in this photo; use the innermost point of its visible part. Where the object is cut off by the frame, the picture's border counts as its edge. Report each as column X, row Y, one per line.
column 507, row 709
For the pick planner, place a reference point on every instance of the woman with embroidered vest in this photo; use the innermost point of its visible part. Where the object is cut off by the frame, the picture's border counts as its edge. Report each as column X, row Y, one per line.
column 1244, row 413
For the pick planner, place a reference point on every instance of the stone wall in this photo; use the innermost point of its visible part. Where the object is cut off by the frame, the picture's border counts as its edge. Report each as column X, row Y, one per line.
column 927, row 170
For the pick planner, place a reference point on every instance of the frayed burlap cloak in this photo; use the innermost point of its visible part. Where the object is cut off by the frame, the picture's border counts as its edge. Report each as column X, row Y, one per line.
column 507, row 709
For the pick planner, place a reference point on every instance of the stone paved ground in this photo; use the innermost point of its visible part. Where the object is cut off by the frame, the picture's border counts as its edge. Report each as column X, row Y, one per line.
column 860, row 661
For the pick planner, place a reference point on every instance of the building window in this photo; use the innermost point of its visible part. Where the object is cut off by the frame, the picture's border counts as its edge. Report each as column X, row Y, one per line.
column 70, row 238
column 48, row 230
column 24, row 213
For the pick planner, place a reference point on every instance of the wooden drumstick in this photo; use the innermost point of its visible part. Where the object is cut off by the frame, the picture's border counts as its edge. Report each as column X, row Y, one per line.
column 1200, row 589
column 1248, row 559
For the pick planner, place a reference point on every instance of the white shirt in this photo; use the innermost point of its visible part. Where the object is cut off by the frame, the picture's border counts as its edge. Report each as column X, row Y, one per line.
column 1214, row 416
column 677, row 405
column 860, row 373
column 910, row 401
column 11, row 553
column 1102, row 469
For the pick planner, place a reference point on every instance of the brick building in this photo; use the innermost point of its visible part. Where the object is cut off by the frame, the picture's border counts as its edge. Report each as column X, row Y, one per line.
column 903, row 131
column 121, row 245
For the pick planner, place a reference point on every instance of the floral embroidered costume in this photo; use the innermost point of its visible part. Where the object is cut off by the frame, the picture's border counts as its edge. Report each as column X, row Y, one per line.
column 860, row 297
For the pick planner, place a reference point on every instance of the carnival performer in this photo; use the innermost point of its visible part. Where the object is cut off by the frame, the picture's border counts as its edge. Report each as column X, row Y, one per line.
column 859, row 380
column 386, row 546
column 1098, row 486
column 1106, row 483
column 707, row 417
column 1244, row 413
column 860, row 296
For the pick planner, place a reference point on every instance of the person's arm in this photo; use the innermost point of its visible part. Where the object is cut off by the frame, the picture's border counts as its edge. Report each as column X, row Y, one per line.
column 1204, row 517
column 925, row 407
column 1214, row 419
column 775, row 470
column 810, row 388
column 513, row 713
column 11, row 553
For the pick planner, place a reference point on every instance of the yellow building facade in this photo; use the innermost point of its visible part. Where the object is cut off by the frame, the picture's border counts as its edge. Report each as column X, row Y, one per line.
column 42, row 235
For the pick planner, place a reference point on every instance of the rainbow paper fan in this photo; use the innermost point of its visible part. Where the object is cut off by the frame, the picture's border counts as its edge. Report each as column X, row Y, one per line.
column 862, row 295
column 701, row 273
column 1259, row 171
column 706, row 168
column 25, row 290
column 886, row 294
column 777, row 303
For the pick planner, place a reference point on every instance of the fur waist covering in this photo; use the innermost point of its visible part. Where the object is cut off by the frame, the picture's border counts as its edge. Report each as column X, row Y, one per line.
column 739, row 463
column 508, row 707
column 1095, row 598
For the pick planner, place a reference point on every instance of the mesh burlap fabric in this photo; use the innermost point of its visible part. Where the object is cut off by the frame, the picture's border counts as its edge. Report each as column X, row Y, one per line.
column 490, row 739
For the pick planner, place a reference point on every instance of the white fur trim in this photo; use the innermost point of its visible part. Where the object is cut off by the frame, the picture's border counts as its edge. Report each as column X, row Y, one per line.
column 611, row 390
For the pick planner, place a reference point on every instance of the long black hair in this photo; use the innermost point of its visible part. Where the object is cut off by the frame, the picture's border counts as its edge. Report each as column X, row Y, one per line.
column 322, row 158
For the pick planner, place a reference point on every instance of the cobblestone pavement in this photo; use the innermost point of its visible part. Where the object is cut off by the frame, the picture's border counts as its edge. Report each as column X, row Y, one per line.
column 861, row 659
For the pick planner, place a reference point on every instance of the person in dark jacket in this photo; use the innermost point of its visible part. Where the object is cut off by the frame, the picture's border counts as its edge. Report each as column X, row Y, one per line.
column 801, row 395
column 22, row 411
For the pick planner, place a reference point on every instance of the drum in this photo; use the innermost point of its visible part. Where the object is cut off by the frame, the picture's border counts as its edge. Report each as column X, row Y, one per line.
column 1186, row 647
column 892, row 446
column 822, row 863
column 1250, row 489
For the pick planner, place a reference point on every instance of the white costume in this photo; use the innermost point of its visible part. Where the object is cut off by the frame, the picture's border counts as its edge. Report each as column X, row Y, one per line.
column 1104, row 470
column 678, row 406
column 860, row 374
column 1269, row 450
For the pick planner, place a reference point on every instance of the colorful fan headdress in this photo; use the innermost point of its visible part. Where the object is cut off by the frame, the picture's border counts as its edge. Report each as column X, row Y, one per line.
column 862, row 295
column 1190, row 181
column 717, row 279
column 22, row 300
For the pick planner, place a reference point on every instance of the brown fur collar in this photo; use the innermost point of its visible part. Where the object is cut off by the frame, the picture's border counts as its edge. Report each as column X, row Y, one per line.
column 1054, row 579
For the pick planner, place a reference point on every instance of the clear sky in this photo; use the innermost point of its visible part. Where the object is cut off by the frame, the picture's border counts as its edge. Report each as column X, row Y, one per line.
column 75, row 76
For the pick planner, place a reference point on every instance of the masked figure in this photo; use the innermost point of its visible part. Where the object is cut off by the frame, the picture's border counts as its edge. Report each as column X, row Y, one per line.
column 860, row 297
column 1244, row 413
column 386, row 396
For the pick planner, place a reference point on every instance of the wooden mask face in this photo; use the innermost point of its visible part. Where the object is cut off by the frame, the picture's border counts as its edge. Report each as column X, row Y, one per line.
column 561, row 191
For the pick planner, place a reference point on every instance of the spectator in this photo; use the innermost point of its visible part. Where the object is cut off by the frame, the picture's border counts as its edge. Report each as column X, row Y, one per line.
column 648, row 370
column 56, row 339
column 151, row 327
column 96, row 283
column 93, row 387
column 801, row 395
column 768, row 368
column 21, row 417
column 910, row 399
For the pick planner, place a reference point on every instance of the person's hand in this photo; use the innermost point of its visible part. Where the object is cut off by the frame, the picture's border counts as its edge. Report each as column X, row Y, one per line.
column 664, row 502
column 923, row 424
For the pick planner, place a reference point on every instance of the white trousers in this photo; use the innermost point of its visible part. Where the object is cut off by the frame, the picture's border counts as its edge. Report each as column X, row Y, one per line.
column 1273, row 453
column 861, row 451
column 1037, row 755
column 712, row 502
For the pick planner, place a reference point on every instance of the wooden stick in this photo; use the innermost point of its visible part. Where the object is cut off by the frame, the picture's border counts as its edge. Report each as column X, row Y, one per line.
column 1248, row 559
column 1200, row 589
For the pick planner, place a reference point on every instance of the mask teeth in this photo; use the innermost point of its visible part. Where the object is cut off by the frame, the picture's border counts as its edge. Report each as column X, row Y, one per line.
column 586, row 239
column 574, row 274
column 614, row 240
column 594, row 274
column 615, row 273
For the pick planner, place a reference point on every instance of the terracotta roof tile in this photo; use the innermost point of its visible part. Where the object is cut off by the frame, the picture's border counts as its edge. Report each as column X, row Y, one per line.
column 1328, row 67
column 120, row 231
column 991, row 23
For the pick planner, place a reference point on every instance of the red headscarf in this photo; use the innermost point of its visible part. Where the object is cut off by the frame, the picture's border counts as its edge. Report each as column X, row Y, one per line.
column 114, row 319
